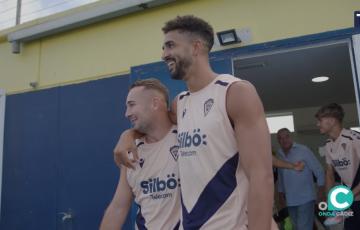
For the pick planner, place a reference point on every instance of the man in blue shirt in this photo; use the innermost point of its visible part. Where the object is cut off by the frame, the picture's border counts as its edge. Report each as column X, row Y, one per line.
column 298, row 186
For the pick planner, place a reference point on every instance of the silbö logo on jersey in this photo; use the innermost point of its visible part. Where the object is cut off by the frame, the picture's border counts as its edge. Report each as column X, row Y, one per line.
column 191, row 140
column 344, row 162
column 156, row 186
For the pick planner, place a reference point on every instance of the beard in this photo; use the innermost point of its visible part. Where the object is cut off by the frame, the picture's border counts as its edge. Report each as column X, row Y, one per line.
column 179, row 71
column 141, row 128
column 141, row 125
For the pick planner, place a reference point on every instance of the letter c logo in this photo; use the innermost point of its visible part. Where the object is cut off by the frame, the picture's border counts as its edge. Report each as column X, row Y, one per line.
column 340, row 198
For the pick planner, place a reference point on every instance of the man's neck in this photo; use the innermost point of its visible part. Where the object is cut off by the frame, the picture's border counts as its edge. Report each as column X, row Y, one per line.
column 335, row 132
column 159, row 131
column 199, row 76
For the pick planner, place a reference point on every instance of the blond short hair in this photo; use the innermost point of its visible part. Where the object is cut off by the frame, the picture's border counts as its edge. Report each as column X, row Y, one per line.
column 154, row 84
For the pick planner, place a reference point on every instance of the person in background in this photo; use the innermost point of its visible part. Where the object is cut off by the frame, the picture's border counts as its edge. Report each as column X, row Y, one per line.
column 154, row 182
column 297, row 187
column 342, row 154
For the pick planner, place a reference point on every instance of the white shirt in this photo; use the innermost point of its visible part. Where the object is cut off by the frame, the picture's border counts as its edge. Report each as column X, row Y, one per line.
column 213, row 185
column 155, row 183
column 344, row 155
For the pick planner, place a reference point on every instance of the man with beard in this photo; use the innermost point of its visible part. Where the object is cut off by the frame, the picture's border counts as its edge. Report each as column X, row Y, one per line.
column 153, row 183
column 224, row 142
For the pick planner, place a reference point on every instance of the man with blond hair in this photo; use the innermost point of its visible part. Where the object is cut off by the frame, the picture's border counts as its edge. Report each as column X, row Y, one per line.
column 154, row 181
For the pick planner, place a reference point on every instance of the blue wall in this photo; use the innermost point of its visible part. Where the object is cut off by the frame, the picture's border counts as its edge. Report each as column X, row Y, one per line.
column 58, row 154
column 58, row 150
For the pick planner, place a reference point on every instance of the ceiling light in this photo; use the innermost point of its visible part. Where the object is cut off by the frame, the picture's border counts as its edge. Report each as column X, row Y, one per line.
column 278, row 121
column 320, row 79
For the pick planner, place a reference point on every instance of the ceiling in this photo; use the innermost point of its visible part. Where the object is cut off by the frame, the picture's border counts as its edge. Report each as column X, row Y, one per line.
column 283, row 78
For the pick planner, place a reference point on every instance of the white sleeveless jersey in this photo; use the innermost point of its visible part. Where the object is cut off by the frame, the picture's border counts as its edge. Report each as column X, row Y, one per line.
column 213, row 185
column 156, row 185
column 344, row 155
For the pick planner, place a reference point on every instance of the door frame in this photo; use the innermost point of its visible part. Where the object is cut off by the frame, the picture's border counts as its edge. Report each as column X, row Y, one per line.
column 2, row 127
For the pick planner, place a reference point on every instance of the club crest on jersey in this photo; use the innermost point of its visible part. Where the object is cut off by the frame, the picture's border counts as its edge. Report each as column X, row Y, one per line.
column 208, row 105
column 174, row 152
column 141, row 162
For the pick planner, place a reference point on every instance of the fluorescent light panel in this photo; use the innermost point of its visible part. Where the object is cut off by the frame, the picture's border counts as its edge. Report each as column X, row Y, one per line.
column 357, row 129
column 276, row 122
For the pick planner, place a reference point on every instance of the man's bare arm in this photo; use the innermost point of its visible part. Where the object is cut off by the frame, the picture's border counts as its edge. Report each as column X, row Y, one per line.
column 253, row 139
column 126, row 144
column 118, row 209
column 287, row 165
column 329, row 178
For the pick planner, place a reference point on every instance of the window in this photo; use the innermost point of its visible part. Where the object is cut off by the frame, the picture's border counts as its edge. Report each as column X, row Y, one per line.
column 278, row 121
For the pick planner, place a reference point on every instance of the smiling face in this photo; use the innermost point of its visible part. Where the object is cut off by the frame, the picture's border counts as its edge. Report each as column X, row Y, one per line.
column 138, row 109
column 177, row 53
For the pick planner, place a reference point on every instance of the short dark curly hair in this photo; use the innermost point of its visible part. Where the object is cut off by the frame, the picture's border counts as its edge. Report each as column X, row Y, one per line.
column 194, row 25
column 331, row 110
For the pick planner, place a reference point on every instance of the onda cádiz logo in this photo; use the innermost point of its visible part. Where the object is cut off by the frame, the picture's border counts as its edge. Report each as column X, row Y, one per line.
column 339, row 199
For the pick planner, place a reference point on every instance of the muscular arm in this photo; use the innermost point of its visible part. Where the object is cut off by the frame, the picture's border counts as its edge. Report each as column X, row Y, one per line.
column 116, row 212
column 253, row 140
column 287, row 165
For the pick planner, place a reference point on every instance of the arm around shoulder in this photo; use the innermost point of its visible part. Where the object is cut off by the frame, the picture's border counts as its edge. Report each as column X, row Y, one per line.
column 125, row 144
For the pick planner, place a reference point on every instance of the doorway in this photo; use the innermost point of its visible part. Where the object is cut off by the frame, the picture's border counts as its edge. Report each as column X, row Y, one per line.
column 283, row 79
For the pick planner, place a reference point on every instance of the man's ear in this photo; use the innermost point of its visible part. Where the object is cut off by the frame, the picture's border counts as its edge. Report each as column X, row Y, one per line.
column 155, row 103
column 198, row 46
